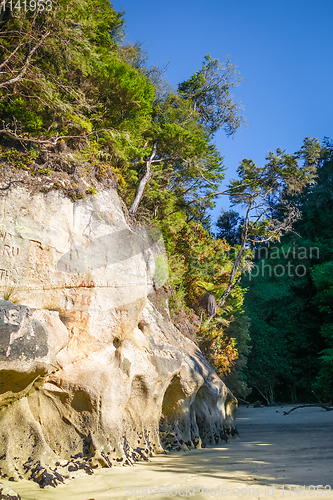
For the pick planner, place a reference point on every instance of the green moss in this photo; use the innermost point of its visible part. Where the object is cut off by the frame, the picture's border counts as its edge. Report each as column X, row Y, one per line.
column 44, row 171
column 75, row 194
column 19, row 159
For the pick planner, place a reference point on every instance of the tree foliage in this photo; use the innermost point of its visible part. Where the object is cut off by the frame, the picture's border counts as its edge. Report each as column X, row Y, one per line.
column 76, row 84
column 265, row 194
column 208, row 92
column 229, row 227
column 290, row 311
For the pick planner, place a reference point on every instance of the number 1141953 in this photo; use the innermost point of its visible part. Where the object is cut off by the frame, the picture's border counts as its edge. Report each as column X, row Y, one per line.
column 26, row 5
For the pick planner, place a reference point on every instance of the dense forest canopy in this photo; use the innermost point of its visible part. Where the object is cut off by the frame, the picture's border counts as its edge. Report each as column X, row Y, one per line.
column 289, row 300
column 76, row 98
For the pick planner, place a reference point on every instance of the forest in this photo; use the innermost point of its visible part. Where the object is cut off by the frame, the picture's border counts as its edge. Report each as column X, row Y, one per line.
column 253, row 290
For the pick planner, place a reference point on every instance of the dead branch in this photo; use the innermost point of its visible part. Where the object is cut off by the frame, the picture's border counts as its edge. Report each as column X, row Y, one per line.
column 268, row 402
column 238, row 257
column 145, row 179
column 4, row 63
column 27, row 62
column 12, row 182
column 42, row 141
column 51, row 142
column 325, row 407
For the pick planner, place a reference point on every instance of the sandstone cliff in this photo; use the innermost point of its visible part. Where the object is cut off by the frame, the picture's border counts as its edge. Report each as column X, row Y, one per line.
column 92, row 371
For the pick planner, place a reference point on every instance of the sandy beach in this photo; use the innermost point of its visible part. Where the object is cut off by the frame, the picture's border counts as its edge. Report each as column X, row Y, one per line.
column 273, row 452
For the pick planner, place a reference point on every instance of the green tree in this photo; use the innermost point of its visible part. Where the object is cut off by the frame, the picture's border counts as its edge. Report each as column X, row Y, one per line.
column 290, row 310
column 323, row 278
column 202, row 266
column 283, row 357
column 229, row 227
column 208, row 91
column 265, row 192
column 180, row 148
column 72, row 82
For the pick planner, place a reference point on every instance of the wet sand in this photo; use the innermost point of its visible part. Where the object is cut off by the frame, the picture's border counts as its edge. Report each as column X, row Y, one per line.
column 273, row 449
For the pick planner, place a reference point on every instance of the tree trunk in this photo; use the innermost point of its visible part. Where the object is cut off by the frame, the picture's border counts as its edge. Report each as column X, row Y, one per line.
column 231, row 283
column 145, row 179
column 208, row 303
column 238, row 258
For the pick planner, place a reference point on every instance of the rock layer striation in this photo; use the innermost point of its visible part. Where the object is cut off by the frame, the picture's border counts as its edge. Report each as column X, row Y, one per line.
column 92, row 371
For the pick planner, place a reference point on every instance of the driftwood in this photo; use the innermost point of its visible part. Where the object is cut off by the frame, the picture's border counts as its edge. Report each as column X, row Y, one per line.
column 320, row 405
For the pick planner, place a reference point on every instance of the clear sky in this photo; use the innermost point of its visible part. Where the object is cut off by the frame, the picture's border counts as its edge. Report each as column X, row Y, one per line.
column 283, row 50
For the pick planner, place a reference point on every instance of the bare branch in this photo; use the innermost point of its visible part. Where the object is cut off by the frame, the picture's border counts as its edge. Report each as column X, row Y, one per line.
column 212, row 195
column 51, row 142
column 27, row 62
column 238, row 258
column 4, row 63
column 207, row 180
column 316, row 405
column 145, row 179
column 11, row 182
column 161, row 159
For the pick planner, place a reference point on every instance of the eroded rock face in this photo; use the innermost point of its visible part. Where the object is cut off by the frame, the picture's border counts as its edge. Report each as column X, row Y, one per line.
column 7, row 493
column 92, row 371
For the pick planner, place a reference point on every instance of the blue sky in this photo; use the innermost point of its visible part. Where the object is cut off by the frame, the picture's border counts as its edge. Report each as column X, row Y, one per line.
column 283, row 50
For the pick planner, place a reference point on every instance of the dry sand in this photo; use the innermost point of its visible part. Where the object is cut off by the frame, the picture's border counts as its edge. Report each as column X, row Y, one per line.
column 273, row 449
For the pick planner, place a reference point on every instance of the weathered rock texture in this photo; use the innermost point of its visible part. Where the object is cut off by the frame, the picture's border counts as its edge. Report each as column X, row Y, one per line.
column 7, row 493
column 92, row 371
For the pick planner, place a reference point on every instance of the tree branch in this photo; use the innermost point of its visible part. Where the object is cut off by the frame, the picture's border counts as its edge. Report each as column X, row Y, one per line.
column 48, row 141
column 268, row 402
column 11, row 182
column 10, row 55
column 145, row 179
column 27, row 62
column 212, row 195
column 320, row 405
column 238, row 258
